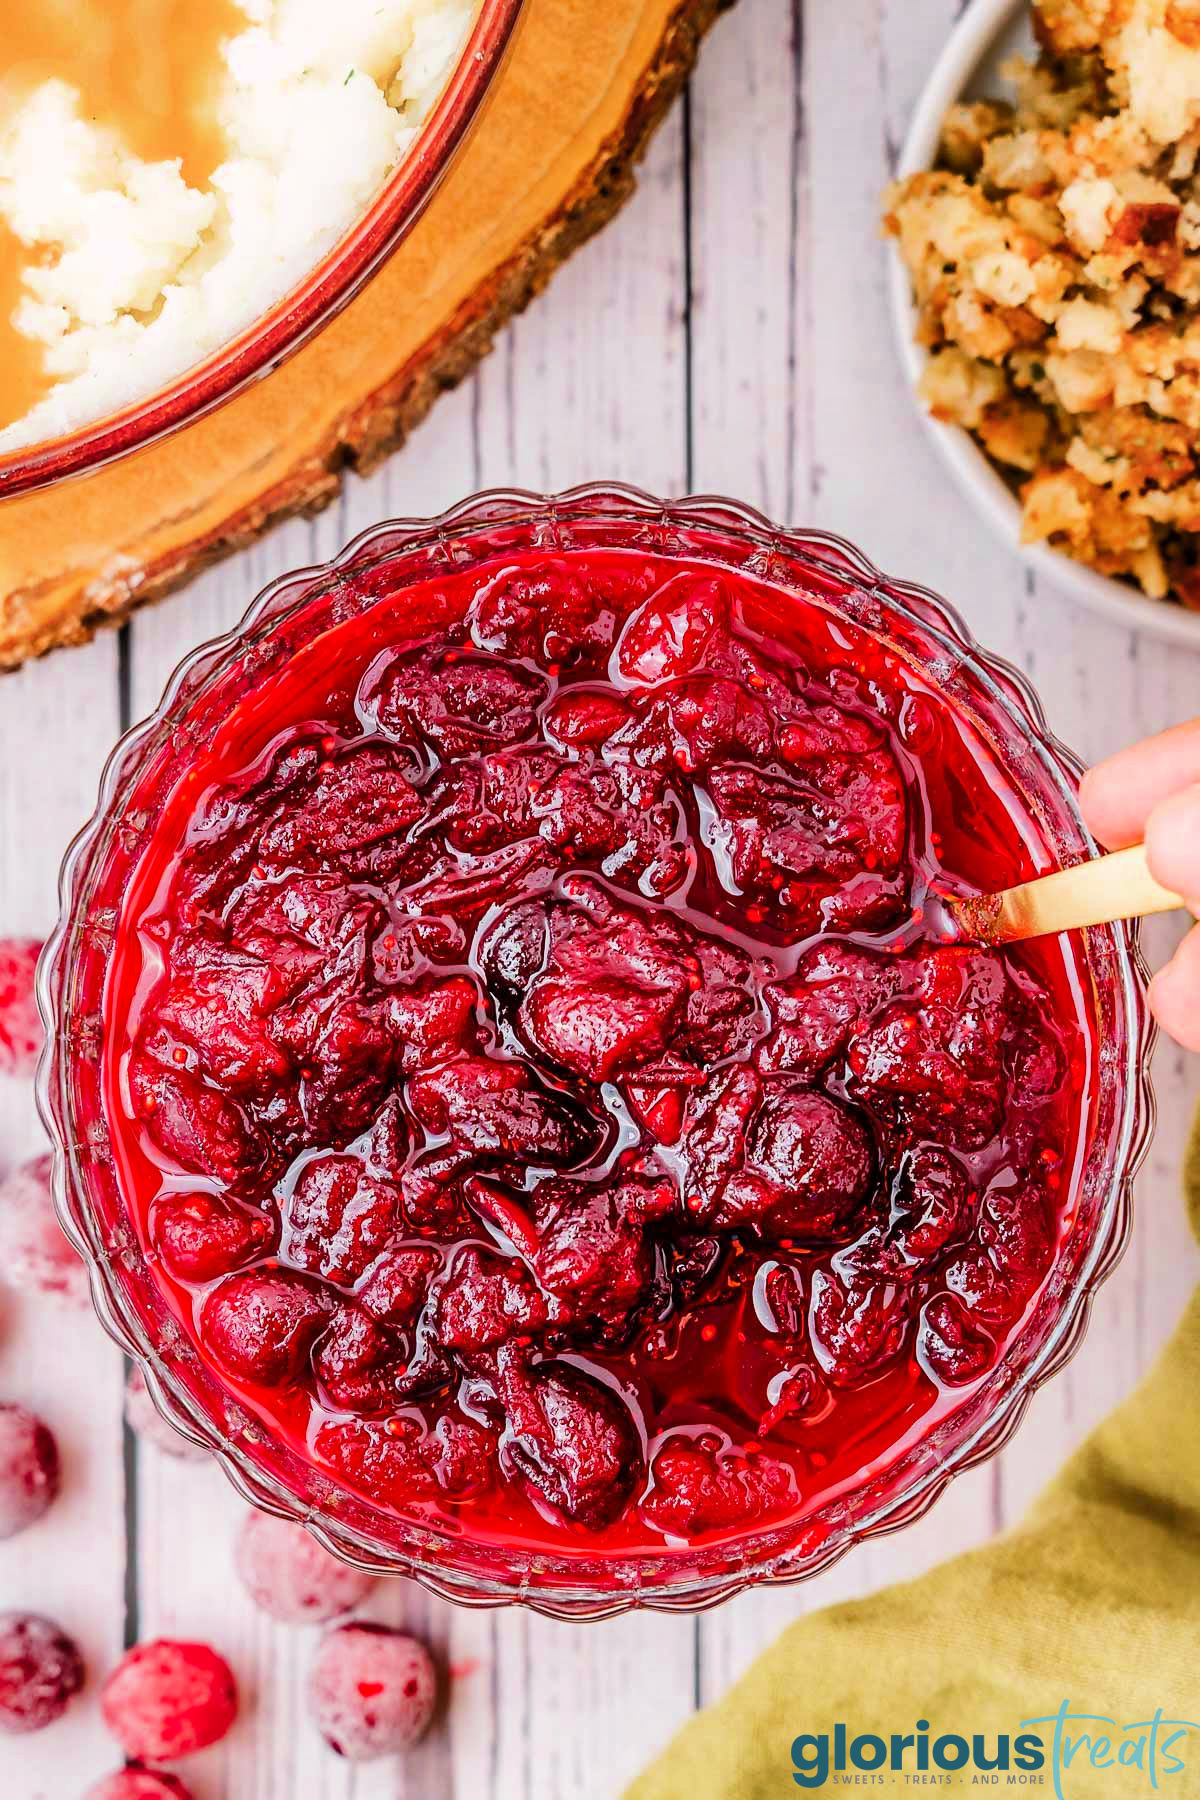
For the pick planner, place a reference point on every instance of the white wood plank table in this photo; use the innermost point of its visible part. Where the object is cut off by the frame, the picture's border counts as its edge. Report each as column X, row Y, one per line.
column 728, row 333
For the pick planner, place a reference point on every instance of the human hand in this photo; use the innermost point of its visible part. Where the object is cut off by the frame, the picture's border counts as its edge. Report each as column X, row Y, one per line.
column 1151, row 793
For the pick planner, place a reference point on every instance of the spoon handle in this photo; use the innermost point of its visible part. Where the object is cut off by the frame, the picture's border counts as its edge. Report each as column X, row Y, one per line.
column 1119, row 886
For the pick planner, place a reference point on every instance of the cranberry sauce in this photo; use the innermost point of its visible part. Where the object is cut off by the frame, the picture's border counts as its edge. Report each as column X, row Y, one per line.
column 531, row 1078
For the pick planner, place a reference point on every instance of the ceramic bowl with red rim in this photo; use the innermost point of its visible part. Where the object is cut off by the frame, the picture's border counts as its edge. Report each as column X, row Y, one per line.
column 513, row 1079
column 309, row 298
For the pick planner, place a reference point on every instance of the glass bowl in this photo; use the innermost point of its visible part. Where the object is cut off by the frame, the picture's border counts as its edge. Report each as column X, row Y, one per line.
column 145, row 765
column 312, row 303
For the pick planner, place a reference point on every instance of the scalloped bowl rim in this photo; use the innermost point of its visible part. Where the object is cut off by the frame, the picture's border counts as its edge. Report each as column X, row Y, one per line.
column 1064, row 1337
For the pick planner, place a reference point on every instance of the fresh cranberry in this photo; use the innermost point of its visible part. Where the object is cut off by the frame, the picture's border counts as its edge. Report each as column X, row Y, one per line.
column 144, row 1418
column 261, row 1325
column 287, row 1573
column 20, row 1024
column 167, row 1699
column 29, row 1469
column 139, row 1784
column 35, row 1254
column 41, row 1671
column 372, row 1691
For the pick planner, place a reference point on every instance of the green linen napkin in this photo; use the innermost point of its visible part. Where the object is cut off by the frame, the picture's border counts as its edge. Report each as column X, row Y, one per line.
column 1093, row 1601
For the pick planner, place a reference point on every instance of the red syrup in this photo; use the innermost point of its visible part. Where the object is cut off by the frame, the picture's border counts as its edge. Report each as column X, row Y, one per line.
column 536, row 1087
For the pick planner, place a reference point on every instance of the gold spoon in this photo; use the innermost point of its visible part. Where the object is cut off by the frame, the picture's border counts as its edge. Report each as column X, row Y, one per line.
column 1107, row 888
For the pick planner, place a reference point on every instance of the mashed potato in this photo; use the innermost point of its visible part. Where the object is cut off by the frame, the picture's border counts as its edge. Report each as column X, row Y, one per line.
column 133, row 276
column 1055, row 256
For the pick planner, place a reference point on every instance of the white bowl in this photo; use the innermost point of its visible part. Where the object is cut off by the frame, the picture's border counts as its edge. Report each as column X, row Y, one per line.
column 989, row 32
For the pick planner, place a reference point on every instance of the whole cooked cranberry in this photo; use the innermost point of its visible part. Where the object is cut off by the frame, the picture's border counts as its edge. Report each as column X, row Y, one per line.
column 372, row 1691
column 497, row 1108
column 571, row 1439
column 35, row 1254
column 486, row 1299
column 29, row 1469
column 698, row 1485
column 396, row 1458
column 787, row 1161
column 201, row 1236
column 671, row 632
column 338, row 1217
column 857, row 1328
column 612, row 986
column 459, row 703
column 260, row 1325
column 133, row 1783
column 593, row 1252
column 202, row 1130
column 360, row 800
column 815, row 1011
column 144, row 1418
column 41, row 1671
column 167, row 1699
column 20, row 1023
column 288, row 1574
column 951, row 1346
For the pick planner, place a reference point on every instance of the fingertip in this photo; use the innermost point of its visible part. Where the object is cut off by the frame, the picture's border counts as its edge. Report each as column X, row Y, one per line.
column 1174, row 995
column 1173, row 842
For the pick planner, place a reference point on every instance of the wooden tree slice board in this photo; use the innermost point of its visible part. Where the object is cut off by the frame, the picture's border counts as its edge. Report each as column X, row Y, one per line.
column 550, row 161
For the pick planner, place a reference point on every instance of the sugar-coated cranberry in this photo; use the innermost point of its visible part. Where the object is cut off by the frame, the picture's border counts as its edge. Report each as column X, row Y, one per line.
column 260, row 1325
column 167, row 1699
column 41, row 1671
column 133, row 1783
column 29, row 1469
column 372, row 1691
column 35, row 1254
column 144, row 1418
column 288, row 1574
column 20, row 1023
